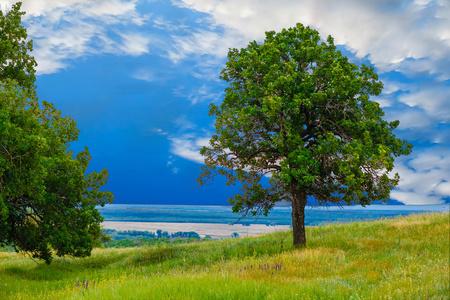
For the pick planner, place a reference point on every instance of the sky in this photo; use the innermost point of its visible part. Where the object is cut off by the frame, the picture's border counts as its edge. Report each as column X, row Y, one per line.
column 138, row 77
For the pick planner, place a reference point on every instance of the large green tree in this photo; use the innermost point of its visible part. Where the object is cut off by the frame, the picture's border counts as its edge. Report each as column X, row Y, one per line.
column 47, row 199
column 298, row 112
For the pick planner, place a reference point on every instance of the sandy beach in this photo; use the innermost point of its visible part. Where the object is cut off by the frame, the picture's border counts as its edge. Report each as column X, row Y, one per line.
column 212, row 229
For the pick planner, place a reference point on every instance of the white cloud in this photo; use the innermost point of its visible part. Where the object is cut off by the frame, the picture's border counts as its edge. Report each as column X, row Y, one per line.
column 188, row 147
column 424, row 177
column 434, row 100
column 204, row 42
column 444, row 188
column 390, row 87
column 134, row 44
column 145, row 75
column 203, row 93
column 413, row 119
column 48, row 61
column 103, row 9
column 42, row 7
column 64, row 30
column 111, row 11
column 162, row 23
column 442, row 136
column 53, row 45
column 383, row 102
column 430, row 160
column 159, row 131
column 389, row 33
column 390, row 90
column 208, row 68
column 413, row 198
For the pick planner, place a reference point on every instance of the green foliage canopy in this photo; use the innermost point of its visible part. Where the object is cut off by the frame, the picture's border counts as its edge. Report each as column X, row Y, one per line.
column 47, row 200
column 15, row 62
column 300, row 113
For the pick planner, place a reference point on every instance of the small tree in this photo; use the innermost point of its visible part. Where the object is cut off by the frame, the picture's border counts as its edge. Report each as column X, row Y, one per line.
column 298, row 112
column 47, row 200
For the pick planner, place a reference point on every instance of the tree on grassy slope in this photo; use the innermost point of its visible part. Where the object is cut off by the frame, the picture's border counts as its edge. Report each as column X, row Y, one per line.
column 299, row 112
column 47, row 200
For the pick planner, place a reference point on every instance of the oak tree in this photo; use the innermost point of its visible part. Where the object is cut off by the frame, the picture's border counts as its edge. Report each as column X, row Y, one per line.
column 47, row 199
column 297, row 112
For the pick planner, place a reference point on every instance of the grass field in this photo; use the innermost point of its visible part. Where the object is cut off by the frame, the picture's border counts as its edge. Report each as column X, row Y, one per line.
column 401, row 258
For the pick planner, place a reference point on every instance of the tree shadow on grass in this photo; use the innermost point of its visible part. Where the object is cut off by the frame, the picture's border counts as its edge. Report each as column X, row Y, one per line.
column 63, row 267
column 35, row 274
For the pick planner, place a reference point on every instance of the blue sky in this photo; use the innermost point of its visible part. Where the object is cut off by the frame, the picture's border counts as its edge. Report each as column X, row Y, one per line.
column 138, row 76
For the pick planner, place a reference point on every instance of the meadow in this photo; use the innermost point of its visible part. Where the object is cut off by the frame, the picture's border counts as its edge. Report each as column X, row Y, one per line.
column 406, row 257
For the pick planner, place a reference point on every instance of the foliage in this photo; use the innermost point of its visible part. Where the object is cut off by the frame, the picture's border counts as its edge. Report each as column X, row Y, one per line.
column 146, row 235
column 185, row 234
column 299, row 112
column 127, row 243
column 162, row 234
column 47, row 200
column 145, row 242
column 128, row 234
column 401, row 258
column 15, row 62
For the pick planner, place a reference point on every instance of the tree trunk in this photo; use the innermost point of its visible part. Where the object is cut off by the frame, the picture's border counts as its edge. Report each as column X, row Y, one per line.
column 298, row 204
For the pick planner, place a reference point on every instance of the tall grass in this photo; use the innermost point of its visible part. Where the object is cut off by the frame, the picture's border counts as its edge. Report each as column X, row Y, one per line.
column 401, row 258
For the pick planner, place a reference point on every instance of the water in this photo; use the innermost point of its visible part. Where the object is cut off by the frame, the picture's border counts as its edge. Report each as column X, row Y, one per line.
column 278, row 216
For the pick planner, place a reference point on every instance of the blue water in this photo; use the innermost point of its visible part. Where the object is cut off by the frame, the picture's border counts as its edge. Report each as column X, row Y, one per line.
column 278, row 216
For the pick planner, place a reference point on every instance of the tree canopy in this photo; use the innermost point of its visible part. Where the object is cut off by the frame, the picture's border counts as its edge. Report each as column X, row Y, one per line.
column 15, row 62
column 298, row 112
column 47, row 199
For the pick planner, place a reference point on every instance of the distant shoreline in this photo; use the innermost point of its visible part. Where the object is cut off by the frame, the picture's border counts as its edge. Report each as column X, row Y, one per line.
column 214, row 230
column 412, row 207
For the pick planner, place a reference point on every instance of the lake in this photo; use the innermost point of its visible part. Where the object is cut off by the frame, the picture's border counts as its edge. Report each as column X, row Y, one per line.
column 280, row 215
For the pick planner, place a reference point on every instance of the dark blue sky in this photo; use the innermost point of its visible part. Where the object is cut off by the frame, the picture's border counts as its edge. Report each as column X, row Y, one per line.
column 138, row 76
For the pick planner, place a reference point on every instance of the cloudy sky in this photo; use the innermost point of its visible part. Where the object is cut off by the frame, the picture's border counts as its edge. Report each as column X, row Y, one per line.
column 138, row 75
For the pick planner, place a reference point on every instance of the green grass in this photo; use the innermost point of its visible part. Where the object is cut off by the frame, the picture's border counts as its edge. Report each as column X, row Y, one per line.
column 401, row 258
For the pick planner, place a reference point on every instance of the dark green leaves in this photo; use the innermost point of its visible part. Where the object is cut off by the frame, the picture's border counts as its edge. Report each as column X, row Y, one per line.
column 15, row 62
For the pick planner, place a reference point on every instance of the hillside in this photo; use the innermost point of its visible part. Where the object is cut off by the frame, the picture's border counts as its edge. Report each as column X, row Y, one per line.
column 401, row 258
